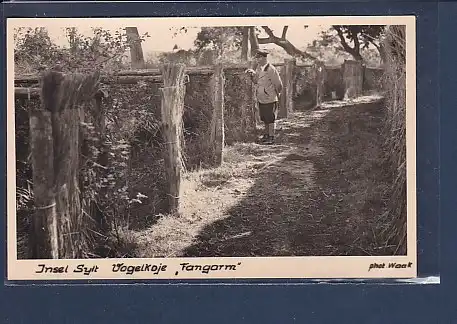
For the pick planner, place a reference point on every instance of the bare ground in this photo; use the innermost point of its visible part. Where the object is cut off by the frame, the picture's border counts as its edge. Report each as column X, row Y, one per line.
column 321, row 190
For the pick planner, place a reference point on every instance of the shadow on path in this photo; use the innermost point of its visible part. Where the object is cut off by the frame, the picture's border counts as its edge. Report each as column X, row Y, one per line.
column 320, row 193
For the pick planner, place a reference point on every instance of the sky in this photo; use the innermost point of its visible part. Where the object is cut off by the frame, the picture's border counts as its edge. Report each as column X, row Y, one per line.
column 163, row 39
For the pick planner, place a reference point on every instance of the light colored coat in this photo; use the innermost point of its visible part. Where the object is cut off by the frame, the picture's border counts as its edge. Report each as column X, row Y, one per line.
column 268, row 84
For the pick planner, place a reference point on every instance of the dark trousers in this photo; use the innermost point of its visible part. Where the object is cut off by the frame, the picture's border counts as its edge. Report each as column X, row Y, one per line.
column 268, row 112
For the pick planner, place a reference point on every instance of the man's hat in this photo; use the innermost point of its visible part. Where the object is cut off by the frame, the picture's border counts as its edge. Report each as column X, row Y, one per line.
column 262, row 53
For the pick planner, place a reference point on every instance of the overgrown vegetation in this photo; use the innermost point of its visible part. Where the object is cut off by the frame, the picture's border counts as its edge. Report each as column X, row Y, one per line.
column 395, row 134
column 123, row 174
column 128, row 122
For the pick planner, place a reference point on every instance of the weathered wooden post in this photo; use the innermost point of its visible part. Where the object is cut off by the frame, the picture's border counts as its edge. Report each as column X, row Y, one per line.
column 216, row 140
column 320, row 80
column 286, row 98
column 352, row 78
column 282, row 113
column 248, row 108
column 44, row 240
column 173, row 93
column 252, row 115
column 290, row 65
column 63, row 96
column 98, row 115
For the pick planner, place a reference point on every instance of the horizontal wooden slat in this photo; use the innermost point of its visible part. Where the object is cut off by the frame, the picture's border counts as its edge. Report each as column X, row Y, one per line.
column 151, row 75
column 131, row 79
column 32, row 92
column 27, row 92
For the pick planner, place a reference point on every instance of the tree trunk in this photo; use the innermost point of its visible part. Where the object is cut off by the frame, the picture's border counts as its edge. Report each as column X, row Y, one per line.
column 253, row 40
column 353, row 51
column 136, row 51
column 72, row 40
column 382, row 53
column 245, row 44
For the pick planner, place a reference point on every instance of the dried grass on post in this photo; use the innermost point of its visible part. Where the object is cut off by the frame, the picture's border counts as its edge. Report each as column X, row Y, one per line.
column 394, row 80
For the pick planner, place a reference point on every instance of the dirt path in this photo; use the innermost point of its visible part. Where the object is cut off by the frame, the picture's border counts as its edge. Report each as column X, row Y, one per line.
column 318, row 191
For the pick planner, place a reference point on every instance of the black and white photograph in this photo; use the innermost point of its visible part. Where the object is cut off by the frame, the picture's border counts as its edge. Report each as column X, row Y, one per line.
column 276, row 144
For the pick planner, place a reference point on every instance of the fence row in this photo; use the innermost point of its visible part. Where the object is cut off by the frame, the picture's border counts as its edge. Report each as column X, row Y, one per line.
column 215, row 105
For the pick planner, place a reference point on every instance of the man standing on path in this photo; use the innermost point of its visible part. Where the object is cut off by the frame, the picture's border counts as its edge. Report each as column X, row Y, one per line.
column 268, row 89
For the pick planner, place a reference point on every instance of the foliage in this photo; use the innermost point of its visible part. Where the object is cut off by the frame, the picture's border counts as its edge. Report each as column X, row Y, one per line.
column 104, row 50
column 365, row 34
column 220, row 39
column 132, row 122
column 126, row 117
column 330, row 49
column 361, row 36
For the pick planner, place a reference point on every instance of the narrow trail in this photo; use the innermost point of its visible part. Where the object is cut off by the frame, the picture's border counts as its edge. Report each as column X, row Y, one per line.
column 318, row 191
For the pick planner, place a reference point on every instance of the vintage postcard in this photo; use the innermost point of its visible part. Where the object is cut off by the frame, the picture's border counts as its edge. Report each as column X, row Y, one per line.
column 211, row 148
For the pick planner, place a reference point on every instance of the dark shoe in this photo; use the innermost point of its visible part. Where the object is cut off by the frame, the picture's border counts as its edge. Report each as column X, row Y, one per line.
column 263, row 138
column 270, row 140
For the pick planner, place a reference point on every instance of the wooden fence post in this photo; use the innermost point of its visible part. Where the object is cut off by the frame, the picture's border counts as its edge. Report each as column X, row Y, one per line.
column 63, row 97
column 173, row 93
column 216, row 140
column 289, row 65
column 352, row 79
column 98, row 115
column 44, row 240
column 320, row 81
column 253, row 114
column 286, row 98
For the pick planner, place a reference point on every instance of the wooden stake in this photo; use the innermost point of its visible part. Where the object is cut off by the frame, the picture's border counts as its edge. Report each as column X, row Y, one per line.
column 173, row 93
column 286, row 102
column 63, row 96
column 320, row 80
column 289, row 66
column 217, row 123
column 44, row 242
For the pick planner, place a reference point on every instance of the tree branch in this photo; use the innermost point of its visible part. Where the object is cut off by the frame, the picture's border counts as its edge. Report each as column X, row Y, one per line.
column 356, row 44
column 269, row 32
column 284, row 43
column 355, row 52
column 284, row 32
column 265, row 40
